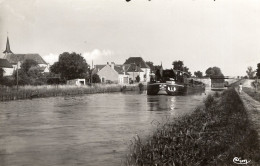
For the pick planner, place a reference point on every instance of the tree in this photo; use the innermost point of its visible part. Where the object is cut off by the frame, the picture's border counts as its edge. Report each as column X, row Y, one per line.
column 178, row 65
column 186, row 69
column 198, row 74
column 70, row 66
column 95, row 78
column 213, row 71
column 1, row 73
column 27, row 64
column 250, row 72
column 23, row 78
column 258, row 70
column 158, row 75
column 150, row 64
column 28, row 73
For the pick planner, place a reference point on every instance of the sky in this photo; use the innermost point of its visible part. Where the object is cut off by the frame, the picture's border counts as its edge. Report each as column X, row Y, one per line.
column 202, row 33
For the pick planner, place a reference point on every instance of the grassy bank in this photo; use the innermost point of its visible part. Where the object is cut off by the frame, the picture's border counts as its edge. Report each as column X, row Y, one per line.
column 213, row 135
column 251, row 91
column 28, row 92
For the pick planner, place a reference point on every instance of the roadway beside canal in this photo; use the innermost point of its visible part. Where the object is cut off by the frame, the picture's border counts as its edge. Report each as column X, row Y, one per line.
column 252, row 106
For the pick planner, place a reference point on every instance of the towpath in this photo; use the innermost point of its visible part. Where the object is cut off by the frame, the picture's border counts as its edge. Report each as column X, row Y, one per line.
column 252, row 106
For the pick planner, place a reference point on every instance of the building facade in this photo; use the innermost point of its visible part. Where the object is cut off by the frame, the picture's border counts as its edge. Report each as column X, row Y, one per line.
column 111, row 73
column 16, row 59
column 144, row 71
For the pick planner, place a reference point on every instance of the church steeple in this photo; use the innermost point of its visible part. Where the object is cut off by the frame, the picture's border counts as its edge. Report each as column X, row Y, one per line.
column 7, row 49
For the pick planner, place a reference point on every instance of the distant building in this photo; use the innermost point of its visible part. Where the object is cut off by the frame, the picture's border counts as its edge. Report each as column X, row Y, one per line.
column 111, row 73
column 144, row 72
column 13, row 59
column 133, row 70
column 77, row 82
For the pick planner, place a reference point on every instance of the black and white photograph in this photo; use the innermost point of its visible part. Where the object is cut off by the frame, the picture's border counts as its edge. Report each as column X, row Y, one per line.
column 129, row 82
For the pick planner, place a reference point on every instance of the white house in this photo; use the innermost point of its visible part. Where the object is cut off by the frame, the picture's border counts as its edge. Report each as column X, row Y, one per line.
column 145, row 71
column 111, row 73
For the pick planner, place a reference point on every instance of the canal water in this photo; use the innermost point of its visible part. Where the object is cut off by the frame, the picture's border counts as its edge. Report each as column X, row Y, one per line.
column 91, row 130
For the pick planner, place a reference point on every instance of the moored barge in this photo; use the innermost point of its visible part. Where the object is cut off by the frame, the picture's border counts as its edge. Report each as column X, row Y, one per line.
column 174, row 82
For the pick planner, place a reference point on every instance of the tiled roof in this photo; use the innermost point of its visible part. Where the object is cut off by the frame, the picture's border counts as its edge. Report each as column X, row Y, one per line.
column 5, row 64
column 138, row 61
column 14, row 58
column 132, row 68
column 97, row 68
column 118, row 68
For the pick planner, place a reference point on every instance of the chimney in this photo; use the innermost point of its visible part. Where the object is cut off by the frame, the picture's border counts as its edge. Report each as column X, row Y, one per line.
column 107, row 63
column 124, row 69
column 112, row 65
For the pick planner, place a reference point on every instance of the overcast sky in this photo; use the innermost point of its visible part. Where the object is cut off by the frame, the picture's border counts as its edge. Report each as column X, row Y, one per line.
column 202, row 33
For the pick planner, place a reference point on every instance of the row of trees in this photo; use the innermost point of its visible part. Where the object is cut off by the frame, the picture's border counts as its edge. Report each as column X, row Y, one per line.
column 179, row 66
column 251, row 73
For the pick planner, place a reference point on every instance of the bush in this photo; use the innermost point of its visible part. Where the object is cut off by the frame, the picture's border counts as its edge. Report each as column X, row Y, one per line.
column 141, row 86
column 6, row 81
column 209, row 101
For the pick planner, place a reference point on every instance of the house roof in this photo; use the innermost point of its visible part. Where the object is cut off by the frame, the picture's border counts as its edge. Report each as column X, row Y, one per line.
column 97, row 68
column 118, row 68
column 7, row 49
column 5, row 64
column 14, row 58
column 132, row 68
column 138, row 61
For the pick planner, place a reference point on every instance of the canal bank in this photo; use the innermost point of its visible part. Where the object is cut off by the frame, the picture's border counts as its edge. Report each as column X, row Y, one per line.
column 30, row 92
column 214, row 134
column 252, row 105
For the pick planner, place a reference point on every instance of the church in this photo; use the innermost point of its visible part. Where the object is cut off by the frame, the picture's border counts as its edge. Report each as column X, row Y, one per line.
column 16, row 59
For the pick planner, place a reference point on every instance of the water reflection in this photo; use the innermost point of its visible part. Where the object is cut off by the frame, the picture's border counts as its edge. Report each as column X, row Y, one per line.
column 82, row 130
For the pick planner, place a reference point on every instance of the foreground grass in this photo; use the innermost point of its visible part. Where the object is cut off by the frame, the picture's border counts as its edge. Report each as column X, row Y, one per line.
column 27, row 92
column 213, row 135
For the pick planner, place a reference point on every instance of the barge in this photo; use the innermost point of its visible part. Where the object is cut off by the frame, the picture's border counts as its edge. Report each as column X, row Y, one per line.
column 174, row 82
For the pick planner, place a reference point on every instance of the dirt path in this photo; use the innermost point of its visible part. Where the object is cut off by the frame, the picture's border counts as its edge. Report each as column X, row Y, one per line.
column 252, row 106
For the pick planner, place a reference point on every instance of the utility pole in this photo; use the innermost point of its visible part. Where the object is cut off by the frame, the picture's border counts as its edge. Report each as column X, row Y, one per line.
column 17, row 75
column 91, row 73
column 256, row 84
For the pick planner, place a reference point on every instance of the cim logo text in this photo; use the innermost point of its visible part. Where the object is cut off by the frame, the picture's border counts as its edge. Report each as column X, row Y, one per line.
column 237, row 160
